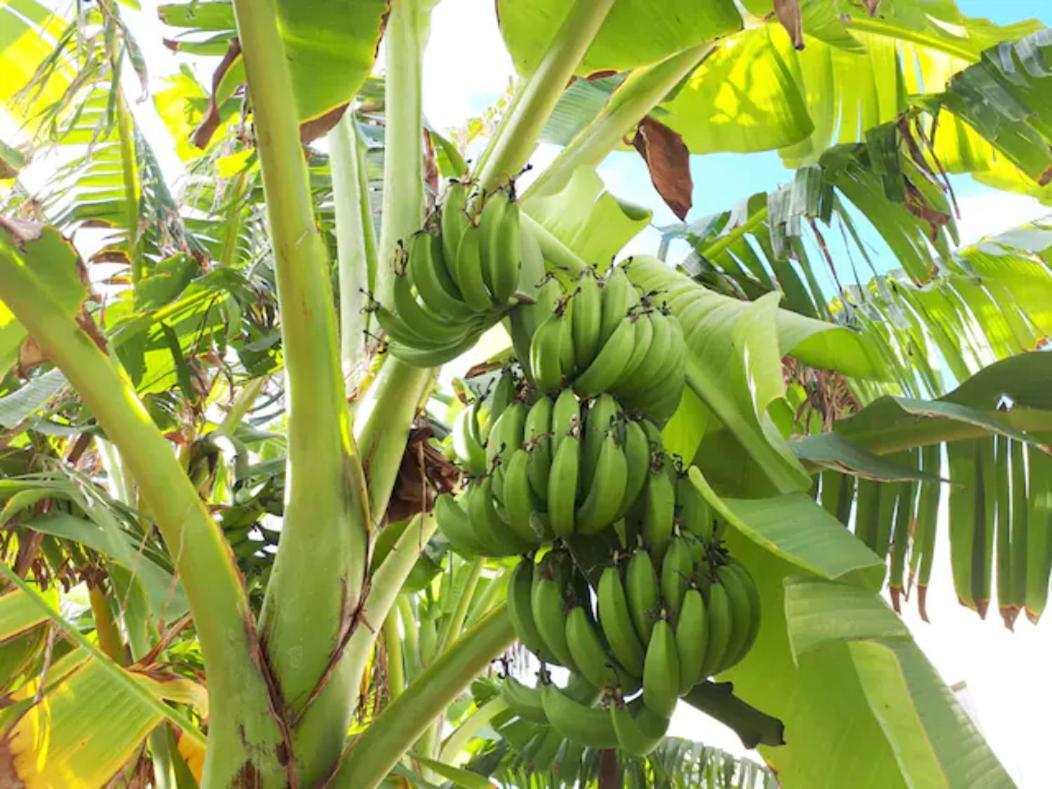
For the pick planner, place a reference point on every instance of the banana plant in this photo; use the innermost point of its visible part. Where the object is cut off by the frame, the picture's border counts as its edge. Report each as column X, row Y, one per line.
column 221, row 483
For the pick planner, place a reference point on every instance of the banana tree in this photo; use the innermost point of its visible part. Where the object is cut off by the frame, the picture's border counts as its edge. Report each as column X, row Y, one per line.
column 219, row 552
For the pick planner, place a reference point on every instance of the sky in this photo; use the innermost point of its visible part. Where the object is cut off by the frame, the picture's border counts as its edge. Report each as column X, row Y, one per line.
column 1005, row 676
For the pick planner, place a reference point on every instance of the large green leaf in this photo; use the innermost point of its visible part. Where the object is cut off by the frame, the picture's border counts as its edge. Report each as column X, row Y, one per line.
column 574, row 214
column 56, row 265
column 933, row 740
column 529, row 25
column 735, row 365
column 330, row 45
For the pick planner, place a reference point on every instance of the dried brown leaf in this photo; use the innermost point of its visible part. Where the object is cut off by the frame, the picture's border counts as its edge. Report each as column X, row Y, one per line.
column 668, row 161
column 788, row 13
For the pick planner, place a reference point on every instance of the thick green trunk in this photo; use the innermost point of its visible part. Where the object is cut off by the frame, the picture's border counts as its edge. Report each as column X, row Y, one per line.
column 313, row 593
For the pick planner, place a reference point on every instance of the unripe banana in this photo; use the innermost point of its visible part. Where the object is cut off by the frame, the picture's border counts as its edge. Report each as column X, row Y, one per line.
column 616, row 622
column 599, row 422
column 549, row 608
column 631, row 386
column 589, row 726
column 676, row 570
column 609, row 364
column 643, row 337
column 692, row 639
column 509, row 251
column 562, row 485
column 718, row 608
column 520, row 610
column 416, row 356
column 661, row 678
column 587, row 649
column 743, row 578
column 437, row 289
column 694, row 513
column 501, row 397
column 487, row 524
column 468, row 267
column 523, row 701
column 639, row 730
column 637, row 460
column 453, row 221
column 587, row 319
column 506, row 434
column 659, row 508
column 524, row 319
column 566, row 417
column 491, row 222
column 603, row 499
column 537, row 437
column 468, row 449
column 453, row 523
column 643, row 590
column 741, row 616
column 546, row 351
column 567, row 357
column 517, row 497
column 619, row 296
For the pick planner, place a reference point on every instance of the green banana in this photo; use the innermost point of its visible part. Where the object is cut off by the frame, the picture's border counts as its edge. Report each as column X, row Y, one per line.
column 603, row 499
column 438, row 331
column 659, row 508
column 431, row 357
column 589, row 726
column 468, row 267
column 619, row 296
column 531, row 270
column 748, row 583
column 566, row 417
column 643, row 590
column 431, row 279
column 661, row 678
column 562, row 485
column 637, row 459
column 717, row 606
column 616, row 622
column 487, row 524
column 567, row 357
column 609, row 364
column 453, row 221
column 676, row 570
column 524, row 701
column 509, row 251
column 692, row 638
column 587, row 649
column 469, row 451
column 741, row 616
column 546, row 351
column 694, row 513
column 517, row 497
column 642, row 338
column 600, row 421
column 525, row 318
column 631, row 383
column 549, row 604
column 491, row 222
column 506, row 434
column 537, row 437
column 587, row 319
column 639, row 730
column 453, row 523
column 520, row 609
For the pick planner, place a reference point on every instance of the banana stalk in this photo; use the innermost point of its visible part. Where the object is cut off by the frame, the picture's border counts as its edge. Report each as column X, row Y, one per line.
column 325, row 494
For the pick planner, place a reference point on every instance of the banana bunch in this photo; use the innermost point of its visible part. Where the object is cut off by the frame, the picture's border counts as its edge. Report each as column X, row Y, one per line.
column 458, row 276
column 603, row 337
column 663, row 627
column 552, row 469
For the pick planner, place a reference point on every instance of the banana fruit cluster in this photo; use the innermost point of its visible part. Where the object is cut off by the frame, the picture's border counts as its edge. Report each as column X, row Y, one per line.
column 649, row 633
column 458, row 276
column 550, row 469
column 603, row 336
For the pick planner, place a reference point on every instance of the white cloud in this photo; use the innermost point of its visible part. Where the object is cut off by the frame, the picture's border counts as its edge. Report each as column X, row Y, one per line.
column 991, row 212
